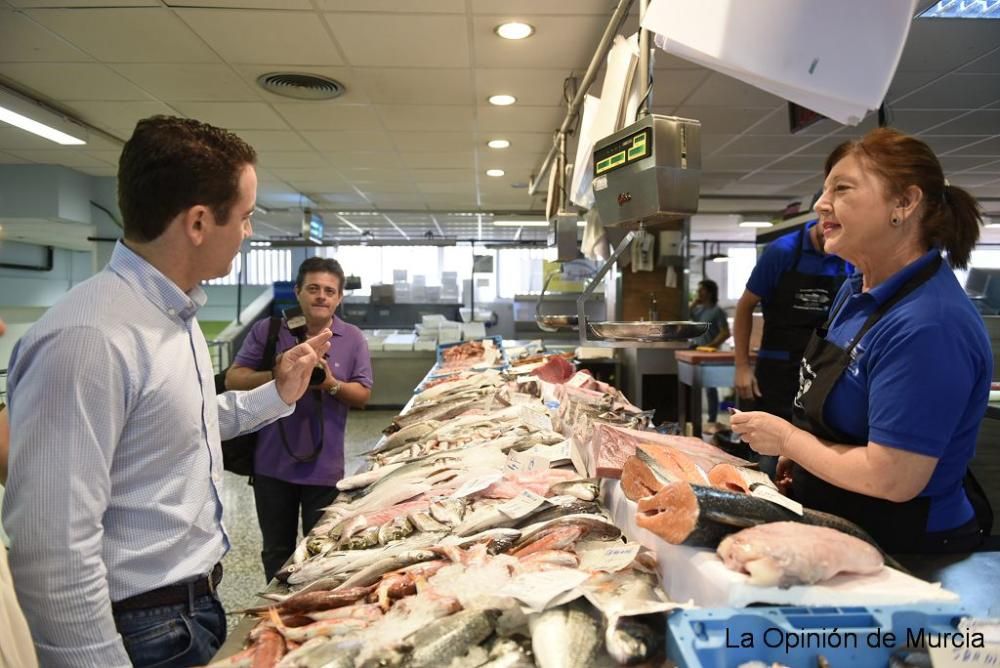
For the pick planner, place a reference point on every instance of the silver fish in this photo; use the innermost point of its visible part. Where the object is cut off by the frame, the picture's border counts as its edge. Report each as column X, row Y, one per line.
column 372, row 573
column 585, row 490
column 423, row 521
column 364, row 540
column 629, row 641
column 448, row 511
column 395, row 529
column 334, row 653
column 367, row 478
column 437, row 644
column 567, row 636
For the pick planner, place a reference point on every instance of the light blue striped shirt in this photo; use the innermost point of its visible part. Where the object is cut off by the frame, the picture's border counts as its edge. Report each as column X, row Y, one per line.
column 115, row 463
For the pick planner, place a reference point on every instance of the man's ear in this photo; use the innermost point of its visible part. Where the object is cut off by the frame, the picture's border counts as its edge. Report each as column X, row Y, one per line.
column 195, row 222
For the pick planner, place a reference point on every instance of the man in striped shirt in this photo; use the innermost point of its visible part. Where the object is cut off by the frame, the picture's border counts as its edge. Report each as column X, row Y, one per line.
column 113, row 504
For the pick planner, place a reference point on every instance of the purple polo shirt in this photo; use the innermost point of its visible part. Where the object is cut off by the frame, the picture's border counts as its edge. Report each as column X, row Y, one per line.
column 350, row 362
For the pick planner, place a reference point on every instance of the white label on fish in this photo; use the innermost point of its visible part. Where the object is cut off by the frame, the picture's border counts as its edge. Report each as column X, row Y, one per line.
column 521, row 505
column 476, row 485
column 579, row 379
column 952, row 657
column 762, row 491
column 534, row 419
column 535, row 590
column 602, row 556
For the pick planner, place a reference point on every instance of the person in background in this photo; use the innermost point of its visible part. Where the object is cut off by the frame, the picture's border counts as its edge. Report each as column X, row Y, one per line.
column 895, row 383
column 795, row 280
column 300, row 458
column 705, row 308
column 16, row 650
column 113, row 505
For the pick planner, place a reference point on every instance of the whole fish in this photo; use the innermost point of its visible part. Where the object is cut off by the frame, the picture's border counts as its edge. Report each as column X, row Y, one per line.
column 566, row 637
column 437, row 644
column 585, row 490
column 448, row 511
column 394, row 530
column 367, row 478
column 630, row 641
column 326, row 652
column 593, row 527
column 372, row 573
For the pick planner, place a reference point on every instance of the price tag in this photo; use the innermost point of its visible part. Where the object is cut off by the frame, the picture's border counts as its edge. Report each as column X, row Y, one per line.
column 513, row 462
column 535, row 590
column 521, row 505
column 476, row 485
column 953, row 657
column 579, row 379
column 605, row 556
column 762, row 491
column 533, row 419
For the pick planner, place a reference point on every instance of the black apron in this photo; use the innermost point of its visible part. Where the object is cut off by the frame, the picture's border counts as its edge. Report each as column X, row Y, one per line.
column 800, row 304
column 897, row 527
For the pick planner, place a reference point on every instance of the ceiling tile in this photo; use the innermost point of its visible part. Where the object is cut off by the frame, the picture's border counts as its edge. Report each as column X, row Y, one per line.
column 957, row 91
column 566, row 42
column 25, row 4
column 520, row 119
column 326, row 173
column 666, row 61
column 107, row 157
column 458, row 176
column 728, row 162
column 372, row 175
column 355, row 140
column 243, row 4
column 387, row 40
column 386, row 187
column 963, row 163
column 98, row 171
column 375, row 159
column 765, row 145
column 23, row 40
column 710, row 142
column 234, row 115
column 944, row 45
column 977, row 146
column 397, row 6
column 441, row 188
column 9, row 159
column 721, row 120
column 189, row 82
column 295, row 159
column 432, row 160
column 433, row 141
column 327, row 116
column 66, row 157
column 720, row 90
column 519, row 9
column 342, row 198
column 71, row 81
column 427, row 118
column 118, row 115
column 509, row 161
column 246, row 36
column 799, row 163
column 274, row 140
column 983, row 122
column 133, row 35
column 918, row 120
column 907, row 84
column 395, row 200
column 673, row 87
column 416, row 86
column 540, row 87
column 989, row 63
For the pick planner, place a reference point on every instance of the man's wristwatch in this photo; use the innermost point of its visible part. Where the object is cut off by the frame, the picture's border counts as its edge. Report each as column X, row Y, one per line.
column 333, row 390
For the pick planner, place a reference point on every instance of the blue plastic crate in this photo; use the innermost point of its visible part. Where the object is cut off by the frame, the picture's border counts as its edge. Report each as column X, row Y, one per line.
column 854, row 636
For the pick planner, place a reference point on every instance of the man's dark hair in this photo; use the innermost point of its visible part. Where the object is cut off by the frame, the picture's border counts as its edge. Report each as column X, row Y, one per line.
column 315, row 264
column 171, row 164
column 712, row 288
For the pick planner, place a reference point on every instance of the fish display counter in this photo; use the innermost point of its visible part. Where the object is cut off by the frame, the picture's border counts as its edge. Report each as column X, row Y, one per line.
column 472, row 540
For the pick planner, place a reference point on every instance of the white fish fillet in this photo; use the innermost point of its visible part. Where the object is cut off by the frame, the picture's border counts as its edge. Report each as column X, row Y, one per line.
column 789, row 553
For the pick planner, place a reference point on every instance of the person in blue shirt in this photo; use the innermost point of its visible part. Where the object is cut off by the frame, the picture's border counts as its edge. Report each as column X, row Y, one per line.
column 705, row 308
column 795, row 281
column 894, row 385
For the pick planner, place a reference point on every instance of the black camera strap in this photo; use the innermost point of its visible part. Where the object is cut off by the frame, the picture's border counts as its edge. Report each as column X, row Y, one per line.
column 317, row 448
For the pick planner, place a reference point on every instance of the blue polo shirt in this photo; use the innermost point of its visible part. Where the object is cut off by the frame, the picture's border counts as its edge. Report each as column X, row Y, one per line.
column 919, row 379
column 778, row 257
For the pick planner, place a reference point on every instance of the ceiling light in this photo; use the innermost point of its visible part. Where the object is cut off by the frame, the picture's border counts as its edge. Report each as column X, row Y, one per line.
column 502, row 100
column 494, row 172
column 24, row 113
column 521, row 223
column 514, row 30
column 756, row 223
column 498, row 143
column 963, row 9
column 719, row 258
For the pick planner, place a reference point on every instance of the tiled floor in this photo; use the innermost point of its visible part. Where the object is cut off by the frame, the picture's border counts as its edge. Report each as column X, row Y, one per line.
column 244, row 575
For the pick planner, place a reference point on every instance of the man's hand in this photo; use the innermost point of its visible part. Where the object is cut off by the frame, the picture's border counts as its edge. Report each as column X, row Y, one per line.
column 745, row 382
column 783, row 475
column 293, row 368
column 329, row 380
column 767, row 434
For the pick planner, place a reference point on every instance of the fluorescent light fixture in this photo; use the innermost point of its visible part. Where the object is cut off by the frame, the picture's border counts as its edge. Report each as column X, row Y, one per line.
column 963, row 9
column 720, row 258
column 514, row 30
column 756, row 223
column 494, row 172
column 502, row 100
column 498, row 143
column 31, row 117
column 515, row 223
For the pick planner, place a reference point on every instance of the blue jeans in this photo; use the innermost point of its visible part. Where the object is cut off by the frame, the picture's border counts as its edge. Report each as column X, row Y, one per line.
column 174, row 635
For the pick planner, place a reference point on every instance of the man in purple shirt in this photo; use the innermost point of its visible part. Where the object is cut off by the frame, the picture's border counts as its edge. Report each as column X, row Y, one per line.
column 300, row 458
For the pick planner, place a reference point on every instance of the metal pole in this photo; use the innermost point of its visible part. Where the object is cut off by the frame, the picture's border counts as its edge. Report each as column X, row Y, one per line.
column 645, row 94
column 621, row 12
column 561, row 181
column 581, row 301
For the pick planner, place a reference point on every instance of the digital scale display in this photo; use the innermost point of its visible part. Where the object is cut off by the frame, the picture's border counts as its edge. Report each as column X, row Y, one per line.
column 624, row 152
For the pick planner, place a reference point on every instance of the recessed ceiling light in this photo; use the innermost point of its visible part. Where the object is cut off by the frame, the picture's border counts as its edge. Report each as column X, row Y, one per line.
column 498, row 143
column 494, row 172
column 756, row 223
column 514, row 30
column 502, row 100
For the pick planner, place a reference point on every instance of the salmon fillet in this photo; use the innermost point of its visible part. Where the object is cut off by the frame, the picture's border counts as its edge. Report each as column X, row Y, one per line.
column 737, row 478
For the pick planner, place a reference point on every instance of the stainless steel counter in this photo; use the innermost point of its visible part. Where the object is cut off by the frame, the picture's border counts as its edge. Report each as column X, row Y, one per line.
column 396, row 374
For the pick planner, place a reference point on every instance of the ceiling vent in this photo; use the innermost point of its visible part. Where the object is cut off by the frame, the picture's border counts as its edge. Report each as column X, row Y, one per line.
column 301, row 86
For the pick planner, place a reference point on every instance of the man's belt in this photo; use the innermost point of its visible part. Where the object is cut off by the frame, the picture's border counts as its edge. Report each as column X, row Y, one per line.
column 174, row 594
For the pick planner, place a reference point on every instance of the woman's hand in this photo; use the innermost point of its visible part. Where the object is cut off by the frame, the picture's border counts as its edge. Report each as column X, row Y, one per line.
column 783, row 475
column 767, row 434
column 745, row 383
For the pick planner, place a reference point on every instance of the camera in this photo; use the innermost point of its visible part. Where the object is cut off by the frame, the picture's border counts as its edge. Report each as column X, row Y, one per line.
column 296, row 322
